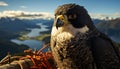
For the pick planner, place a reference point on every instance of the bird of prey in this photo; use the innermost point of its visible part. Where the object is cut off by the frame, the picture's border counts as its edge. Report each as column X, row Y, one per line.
column 77, row 44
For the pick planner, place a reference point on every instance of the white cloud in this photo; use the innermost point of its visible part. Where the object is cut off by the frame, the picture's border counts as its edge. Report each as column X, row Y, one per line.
column 26, row 15
column 45, row 15
column 23, row 7
column 103, row 16
column 117, row 14
column 3, row 3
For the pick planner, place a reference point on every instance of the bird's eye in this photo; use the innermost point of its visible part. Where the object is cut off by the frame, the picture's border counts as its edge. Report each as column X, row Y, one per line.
column 70, row 17
column 73, row 16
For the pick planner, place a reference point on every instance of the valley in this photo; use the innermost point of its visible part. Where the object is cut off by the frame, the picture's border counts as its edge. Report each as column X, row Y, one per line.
column 21, row 34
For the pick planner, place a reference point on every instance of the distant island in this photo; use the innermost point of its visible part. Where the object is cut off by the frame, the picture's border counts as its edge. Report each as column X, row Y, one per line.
column 42, row 37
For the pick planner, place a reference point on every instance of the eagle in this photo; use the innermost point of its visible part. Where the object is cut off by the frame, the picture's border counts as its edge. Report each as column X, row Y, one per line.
column 77, row 44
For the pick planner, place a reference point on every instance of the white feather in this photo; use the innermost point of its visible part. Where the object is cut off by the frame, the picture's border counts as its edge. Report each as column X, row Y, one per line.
column 83, row 29
column 67, row 32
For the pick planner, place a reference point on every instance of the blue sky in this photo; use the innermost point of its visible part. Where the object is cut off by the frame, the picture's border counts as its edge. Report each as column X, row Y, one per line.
column 94, row 7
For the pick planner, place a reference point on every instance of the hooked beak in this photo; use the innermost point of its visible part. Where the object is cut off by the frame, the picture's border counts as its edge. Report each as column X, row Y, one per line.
column 59, row 21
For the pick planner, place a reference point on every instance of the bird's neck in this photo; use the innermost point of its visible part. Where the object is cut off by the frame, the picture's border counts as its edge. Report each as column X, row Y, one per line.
column 69, row 29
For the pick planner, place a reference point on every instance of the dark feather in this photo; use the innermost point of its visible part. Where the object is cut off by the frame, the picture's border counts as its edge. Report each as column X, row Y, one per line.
column 84, row 50
column 104, row 52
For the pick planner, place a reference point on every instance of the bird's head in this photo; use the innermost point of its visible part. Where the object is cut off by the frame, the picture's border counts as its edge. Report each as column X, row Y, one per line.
column 74, row 15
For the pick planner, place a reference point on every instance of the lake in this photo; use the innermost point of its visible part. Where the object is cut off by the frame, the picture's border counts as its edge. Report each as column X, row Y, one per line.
column 34, row 32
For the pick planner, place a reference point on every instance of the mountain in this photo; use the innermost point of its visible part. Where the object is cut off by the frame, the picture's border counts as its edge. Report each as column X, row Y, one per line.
column 95, row 21
column 111, row 28
column 7, row 46
column 16, row 25
column 12, row 27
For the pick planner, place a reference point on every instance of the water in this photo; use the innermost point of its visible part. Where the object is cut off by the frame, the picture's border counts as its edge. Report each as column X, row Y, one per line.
column 31, row 43
column 34, row 32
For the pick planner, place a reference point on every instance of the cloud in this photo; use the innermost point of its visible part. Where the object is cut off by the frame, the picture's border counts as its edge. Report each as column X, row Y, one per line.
column 117, row 14
column 23, row 7
column 103, row 16
column 45, row 15
column 26, row 15
column 3, row 3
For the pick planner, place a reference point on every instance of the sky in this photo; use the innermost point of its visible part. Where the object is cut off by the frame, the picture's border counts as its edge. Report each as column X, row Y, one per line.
column 96, row 8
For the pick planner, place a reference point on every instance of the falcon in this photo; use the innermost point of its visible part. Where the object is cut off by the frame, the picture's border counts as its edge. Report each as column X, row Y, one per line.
column 77, row 44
